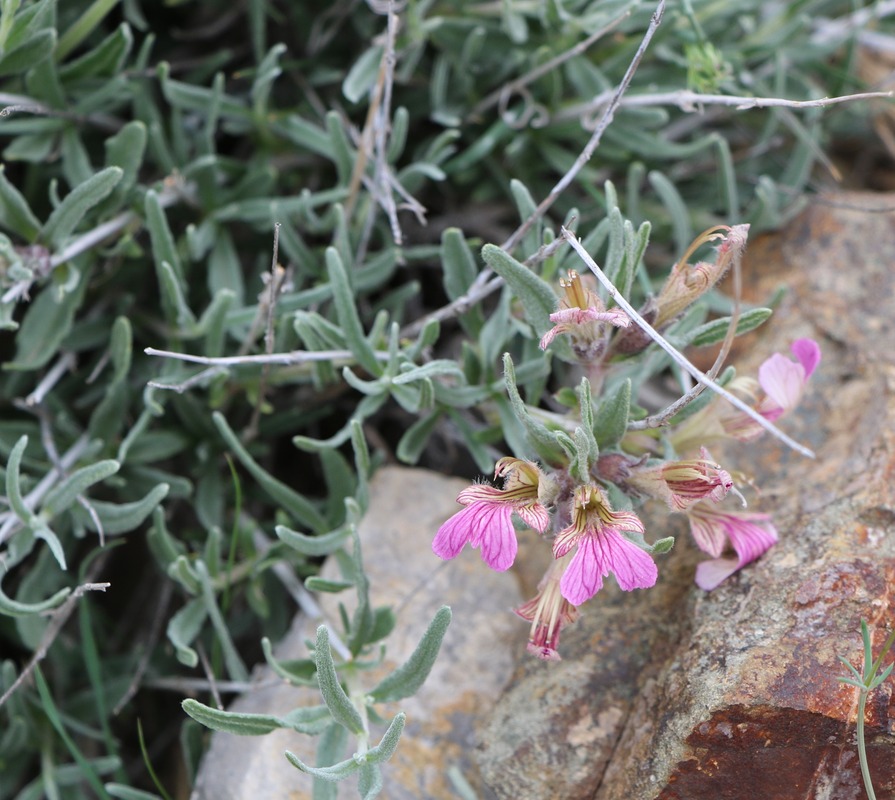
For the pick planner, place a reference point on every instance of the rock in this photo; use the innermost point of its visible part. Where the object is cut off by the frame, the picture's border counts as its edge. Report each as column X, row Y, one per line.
column 476, row 660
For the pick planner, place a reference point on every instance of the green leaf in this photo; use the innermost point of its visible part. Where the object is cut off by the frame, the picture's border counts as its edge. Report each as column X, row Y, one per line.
column 337, row 772
column 314, row 546
column 716, row 330
column 163, row 246
column 231, row 721
column 338, row 703
column 124, row 517
column 346, row 312
column 300, row 672
column 541, row 437
column 292, row 502
column 389, row 742
column 13, row 486
column 611, row 419
column 125, row 150
column 106, row 59
column 184, row 627
column 457, row 262
column 77, row 203
column 317, row 584
column 312, row 720
column 66, row 493
column 363, row 74
column 37, row 48
column 369, row 782
column 13, row 608
column 407, row 679
column 538, row 300
column 434, row 368
column 413, row 442
column 15, row 213
column 83, row 26
column 46, row 326
column 235, row 667
column 122, row 792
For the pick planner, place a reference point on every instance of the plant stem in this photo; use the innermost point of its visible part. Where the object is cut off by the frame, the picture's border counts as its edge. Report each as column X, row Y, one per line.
column 862, row 746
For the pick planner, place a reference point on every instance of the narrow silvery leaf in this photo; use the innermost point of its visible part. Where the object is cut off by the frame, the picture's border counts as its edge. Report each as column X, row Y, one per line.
column 346, row 312
column 163, row 247
column 584, row 444
column 292, row 502
column 458, row 263
column 362, row 75
column 300, row 672
column 434, row 368
column 125, row 149
column 527, row 209
column 66, row 493
column 46, row 325
column 313, row 546
column 121, row 345
column 13, row 487
column 13, row 608
column 369, row 782
column 415, row 438
column 389, row 742
column 407, row 679
column 317, row 584
column 337, row 772
column 235, row 666
column 122, row 792
column 338, row 703
column 312, row 720
column 14, row 209
column 586, row 408
column 716, row 330
column 538, row 299
column 43, row 532
column 181, row 570
column 232, row 722
column 184, row 627
column 540, row 436
column 124, row 517
column 362, row 462
column 76, row 204
column 611, row 420
column 177, row 312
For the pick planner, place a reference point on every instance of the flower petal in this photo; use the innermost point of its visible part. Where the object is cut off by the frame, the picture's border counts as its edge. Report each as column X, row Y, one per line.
column 708, row 534
column 598, row 555
column 534, row 515
column 807, row 351
column 454, row 534
column 583, row 577
column 751, row 535
column 709, row 574
column 498, row 540
column 782, row 380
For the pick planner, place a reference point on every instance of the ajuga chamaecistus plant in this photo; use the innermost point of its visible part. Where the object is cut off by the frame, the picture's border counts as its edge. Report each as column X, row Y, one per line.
column 151, row 154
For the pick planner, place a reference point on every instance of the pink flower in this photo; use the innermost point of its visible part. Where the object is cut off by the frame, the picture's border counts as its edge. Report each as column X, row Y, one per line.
column 682, row 483
column 596, row 530
column 549, row 612
column 581, row 314
column 782, row 383
column 750, row 535
column 486, row 522
column 784, row 380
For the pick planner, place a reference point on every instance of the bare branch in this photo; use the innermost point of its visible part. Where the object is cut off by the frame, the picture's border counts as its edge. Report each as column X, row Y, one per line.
column 59, row 618
column 345, row 357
